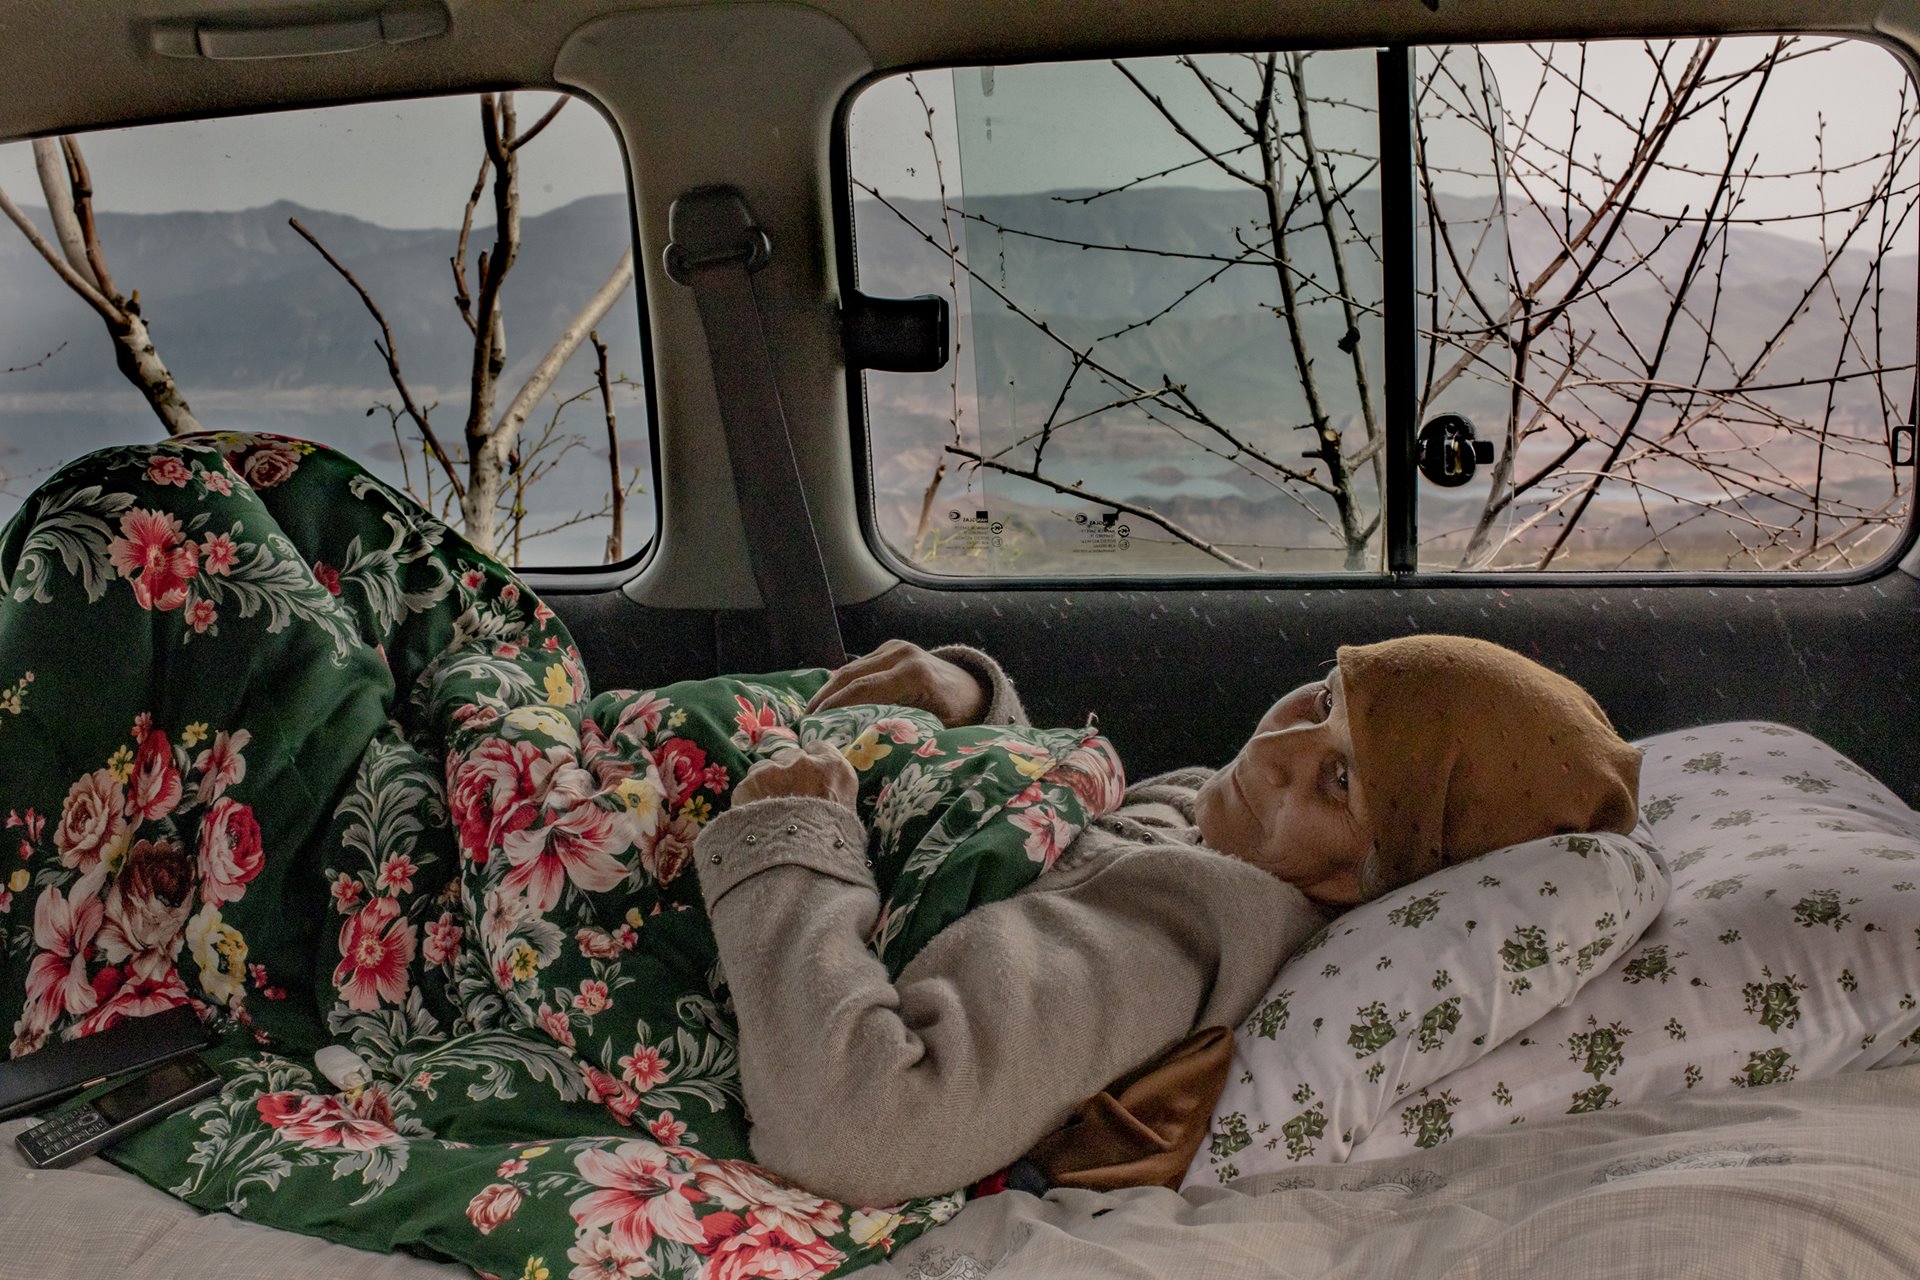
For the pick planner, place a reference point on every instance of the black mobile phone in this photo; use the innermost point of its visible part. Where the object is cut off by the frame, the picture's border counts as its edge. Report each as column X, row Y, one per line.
column 65, row 1067
column 121, row 1110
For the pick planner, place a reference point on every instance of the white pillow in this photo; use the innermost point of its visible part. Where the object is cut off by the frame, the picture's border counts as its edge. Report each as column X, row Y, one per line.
column 1789, row 948
column 1399, row 992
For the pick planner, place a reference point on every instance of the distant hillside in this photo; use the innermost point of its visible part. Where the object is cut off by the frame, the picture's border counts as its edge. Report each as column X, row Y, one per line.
column 240, row 301
column 1184, row 234
column 1055, row 274
column 1166, row 256
column 261, row 332
column 263, row 335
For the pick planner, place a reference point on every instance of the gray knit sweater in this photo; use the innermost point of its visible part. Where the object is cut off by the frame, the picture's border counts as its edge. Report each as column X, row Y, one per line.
column 870, row 1091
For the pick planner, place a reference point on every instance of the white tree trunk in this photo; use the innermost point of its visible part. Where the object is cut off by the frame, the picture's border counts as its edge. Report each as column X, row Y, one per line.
column 507, row 430
column 54, row 186
column 134, row 353
column 488, row 464
column 133, row 350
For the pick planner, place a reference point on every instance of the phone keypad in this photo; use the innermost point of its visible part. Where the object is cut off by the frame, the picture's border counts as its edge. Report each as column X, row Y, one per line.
column 47, row 1141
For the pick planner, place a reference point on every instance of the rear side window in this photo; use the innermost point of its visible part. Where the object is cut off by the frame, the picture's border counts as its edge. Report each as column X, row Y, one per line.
column 1668, row 287
column 443, row 288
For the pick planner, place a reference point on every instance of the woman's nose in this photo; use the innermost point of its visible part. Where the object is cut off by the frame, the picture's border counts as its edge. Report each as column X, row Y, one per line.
column 1272, row 754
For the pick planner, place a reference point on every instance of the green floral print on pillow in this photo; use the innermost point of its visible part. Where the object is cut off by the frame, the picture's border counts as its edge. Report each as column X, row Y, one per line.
column 1784, row 953
column 1413, row 987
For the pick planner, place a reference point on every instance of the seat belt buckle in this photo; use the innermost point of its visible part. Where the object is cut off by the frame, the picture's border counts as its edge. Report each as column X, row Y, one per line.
column 712, row 226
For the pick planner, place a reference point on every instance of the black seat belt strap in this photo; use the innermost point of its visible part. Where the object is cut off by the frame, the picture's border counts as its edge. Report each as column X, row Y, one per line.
column 716, row 247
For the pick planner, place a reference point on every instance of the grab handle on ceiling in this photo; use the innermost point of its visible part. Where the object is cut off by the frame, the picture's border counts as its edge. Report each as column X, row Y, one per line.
column 225, row 38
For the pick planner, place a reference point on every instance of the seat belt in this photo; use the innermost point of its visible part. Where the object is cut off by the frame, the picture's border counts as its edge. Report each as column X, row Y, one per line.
column 715, row 248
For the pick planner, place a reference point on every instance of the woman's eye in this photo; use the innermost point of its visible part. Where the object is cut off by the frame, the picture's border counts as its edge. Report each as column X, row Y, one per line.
column 1340, row 777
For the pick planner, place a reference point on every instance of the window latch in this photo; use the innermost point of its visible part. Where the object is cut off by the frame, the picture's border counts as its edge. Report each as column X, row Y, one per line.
column 1450, row 452
column 897, row 335
column 232, row 38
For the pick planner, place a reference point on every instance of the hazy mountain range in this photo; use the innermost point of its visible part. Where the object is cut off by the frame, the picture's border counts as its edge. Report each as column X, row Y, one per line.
column 1055, row 273
column 240, row 301
column 1182, row 236
column 261, row 332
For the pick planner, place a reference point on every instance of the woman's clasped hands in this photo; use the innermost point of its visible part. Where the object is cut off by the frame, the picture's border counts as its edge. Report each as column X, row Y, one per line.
column 897, row 673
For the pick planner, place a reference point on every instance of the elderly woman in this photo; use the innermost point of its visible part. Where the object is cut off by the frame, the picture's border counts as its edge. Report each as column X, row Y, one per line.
column 1171, row 914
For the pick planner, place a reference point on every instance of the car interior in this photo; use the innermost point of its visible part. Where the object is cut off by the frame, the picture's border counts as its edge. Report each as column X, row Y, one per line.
column 1256, row 332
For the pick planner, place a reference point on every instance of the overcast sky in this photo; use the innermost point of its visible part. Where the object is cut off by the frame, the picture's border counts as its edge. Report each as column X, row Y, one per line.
column 411, row 163
column 1064, row 126
column 406, row 163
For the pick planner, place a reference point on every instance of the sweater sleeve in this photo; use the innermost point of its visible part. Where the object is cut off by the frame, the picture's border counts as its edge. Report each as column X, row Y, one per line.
column 871, row 1091
column 1003, row 702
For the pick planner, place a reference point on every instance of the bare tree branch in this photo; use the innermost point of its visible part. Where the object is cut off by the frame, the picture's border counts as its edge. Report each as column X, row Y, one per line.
column 1351, row 341
column 51, row 165
column 926, row 507
column 66, row 186
column 616, row 492
column 82, row 185
column 539, row 124
column 389, row 351
column 22, row 368
column 461, row 298
column 497, row 121
column 71, row 278
column 501, row 439
column 1217, row 159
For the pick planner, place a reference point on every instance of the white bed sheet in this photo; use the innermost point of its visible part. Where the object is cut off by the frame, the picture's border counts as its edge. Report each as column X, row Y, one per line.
column 94, row 1222
column 1817, row 1178
column 1795, row 1180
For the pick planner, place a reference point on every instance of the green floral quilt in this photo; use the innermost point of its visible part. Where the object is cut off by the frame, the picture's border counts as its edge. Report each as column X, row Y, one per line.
column 280, row 745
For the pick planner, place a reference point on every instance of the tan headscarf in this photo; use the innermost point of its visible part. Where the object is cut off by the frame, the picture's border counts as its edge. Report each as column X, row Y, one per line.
column 1463, row 747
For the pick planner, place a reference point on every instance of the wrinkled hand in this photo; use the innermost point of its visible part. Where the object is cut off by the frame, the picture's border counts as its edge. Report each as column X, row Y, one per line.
column 903, row 674
column 819, row 771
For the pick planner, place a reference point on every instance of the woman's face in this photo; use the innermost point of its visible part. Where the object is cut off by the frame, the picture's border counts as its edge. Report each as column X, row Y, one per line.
column 1290, row 802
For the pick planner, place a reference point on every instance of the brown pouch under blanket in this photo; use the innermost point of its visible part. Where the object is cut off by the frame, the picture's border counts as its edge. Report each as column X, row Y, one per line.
column 1142, row 1130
